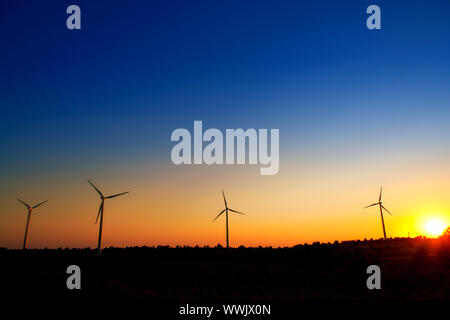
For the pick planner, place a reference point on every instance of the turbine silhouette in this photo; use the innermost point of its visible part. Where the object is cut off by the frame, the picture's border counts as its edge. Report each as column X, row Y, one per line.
column 380, row 203
column 226, row 214
column 30, row 208
column 100, row 214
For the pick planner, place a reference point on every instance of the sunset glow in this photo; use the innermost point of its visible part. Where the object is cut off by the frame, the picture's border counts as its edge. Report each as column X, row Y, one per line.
column 435, row 227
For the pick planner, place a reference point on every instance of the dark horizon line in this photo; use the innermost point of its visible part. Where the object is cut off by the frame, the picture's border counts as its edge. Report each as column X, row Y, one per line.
column 219, row 246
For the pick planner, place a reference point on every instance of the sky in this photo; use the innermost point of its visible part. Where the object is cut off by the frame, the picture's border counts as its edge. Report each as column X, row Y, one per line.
column 356, row 109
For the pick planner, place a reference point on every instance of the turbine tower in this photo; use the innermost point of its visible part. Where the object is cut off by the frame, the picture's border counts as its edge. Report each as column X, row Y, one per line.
column 226, row 214
column 30, row 208
column 380, row 204
column 100, row 214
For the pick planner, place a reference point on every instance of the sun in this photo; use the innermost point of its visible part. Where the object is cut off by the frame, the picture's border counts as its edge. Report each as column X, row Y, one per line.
column 435, row 227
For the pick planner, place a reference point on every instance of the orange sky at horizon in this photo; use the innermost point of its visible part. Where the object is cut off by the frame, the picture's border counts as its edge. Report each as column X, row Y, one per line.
column 176, row 205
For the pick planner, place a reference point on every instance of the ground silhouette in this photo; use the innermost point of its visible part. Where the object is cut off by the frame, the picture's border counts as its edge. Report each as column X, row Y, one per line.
column 411, row 269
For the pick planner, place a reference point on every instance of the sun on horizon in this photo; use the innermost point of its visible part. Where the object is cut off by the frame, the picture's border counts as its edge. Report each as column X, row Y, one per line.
column 434, row 227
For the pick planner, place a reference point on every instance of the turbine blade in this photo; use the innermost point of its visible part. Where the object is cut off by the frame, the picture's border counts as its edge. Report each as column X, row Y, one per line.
column 219, row 214
column 374, row 204
column 381, row 190
column 116, row 195
column 236, row 211
column 386, row 210
column 101, row 194
column 99, row 210
column 40, row 204
column 224, row 199
column 26, row 205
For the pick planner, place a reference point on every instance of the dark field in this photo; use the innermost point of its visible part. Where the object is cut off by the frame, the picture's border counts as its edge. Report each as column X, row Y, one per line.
column 410, row 269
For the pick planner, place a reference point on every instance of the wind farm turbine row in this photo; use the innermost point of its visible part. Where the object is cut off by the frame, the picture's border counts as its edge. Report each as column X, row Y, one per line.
column 226, row 210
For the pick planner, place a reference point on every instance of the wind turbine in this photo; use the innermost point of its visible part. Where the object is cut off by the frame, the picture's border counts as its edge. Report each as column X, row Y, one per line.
column 226, row 214
column 100, row 213
column 379, row 203
column 30, row 208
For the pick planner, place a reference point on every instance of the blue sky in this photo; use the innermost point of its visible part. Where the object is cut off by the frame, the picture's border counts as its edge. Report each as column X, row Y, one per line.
column 137, row 70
